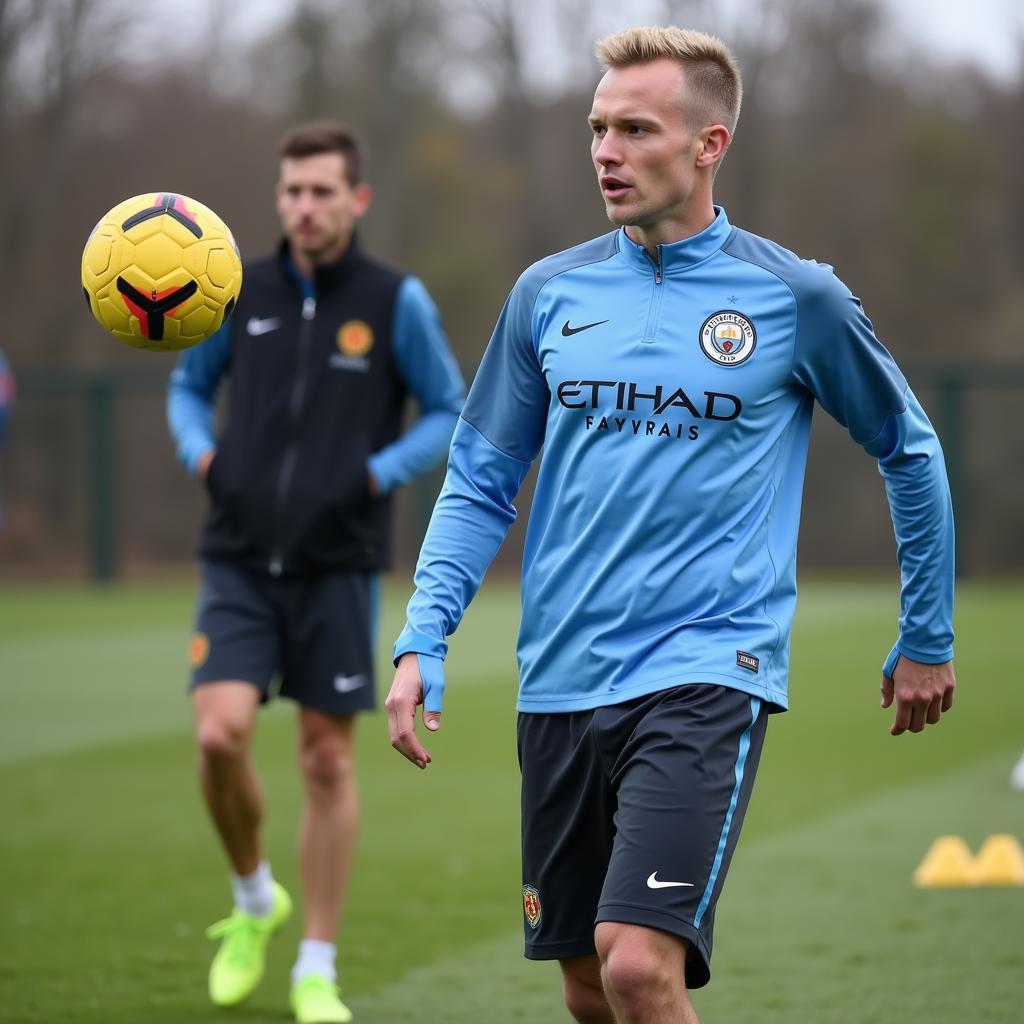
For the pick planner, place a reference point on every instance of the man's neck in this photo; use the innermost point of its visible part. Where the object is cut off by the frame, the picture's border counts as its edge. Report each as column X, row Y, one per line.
column 668, row 232
column 691, row 220
column 306, row 263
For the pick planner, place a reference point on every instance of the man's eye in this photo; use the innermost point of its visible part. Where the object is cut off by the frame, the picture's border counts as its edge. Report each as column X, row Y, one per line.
column 597, row 129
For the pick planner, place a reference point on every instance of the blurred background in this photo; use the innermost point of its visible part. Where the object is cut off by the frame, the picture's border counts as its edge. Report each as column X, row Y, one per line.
column 885, row 137
column 881, row 136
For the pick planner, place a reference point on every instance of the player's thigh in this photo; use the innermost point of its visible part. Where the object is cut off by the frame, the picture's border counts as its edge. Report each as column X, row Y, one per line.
column 566, row 833
column 328, row 658
column 683, row 779
column 237, row 630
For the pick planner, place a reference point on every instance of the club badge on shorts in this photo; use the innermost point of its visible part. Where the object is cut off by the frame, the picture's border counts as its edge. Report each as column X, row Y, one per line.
column 198, row 650
column 728, row 338
column 531, row 905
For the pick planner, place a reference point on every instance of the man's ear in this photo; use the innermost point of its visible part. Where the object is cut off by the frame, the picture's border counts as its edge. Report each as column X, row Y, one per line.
column 714, row 141
column 364, row 197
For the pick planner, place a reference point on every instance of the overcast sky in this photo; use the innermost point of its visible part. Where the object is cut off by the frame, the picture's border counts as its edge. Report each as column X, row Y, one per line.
column 987, row 33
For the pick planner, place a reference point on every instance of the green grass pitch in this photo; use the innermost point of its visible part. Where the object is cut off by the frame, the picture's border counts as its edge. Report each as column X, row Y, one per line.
column 109, row 871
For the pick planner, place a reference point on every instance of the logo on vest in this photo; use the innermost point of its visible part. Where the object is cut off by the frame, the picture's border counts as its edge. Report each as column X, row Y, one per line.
column 354, row 340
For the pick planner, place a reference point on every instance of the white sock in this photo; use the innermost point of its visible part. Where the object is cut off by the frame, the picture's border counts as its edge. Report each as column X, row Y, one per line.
column 254, row 894
column 315, row 957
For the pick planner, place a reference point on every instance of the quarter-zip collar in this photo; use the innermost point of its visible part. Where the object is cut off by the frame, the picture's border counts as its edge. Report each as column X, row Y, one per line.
column 678, row 257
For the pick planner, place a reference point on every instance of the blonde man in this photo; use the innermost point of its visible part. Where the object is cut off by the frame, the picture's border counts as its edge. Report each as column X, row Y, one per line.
column 668, row 370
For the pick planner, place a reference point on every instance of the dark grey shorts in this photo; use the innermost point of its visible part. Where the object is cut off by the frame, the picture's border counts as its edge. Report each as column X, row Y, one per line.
column 312, row 635
column 631, row 813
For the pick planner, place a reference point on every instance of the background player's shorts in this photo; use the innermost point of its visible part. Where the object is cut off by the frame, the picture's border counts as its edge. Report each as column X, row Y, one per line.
column 631, row 813
column 315, row 634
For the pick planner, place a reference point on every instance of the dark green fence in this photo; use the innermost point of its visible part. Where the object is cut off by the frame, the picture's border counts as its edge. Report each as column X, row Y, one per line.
column 95, row 401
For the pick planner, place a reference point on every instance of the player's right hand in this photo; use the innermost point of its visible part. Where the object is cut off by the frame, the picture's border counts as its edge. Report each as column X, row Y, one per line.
column 203, row 465
column 407, row 692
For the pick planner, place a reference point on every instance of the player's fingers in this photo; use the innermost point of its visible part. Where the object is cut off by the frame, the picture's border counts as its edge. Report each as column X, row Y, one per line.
column 402, row 730
column 432, row 720
column 917, row 716
column 934, row 711
column 408, row 745
column 902, row 720
column 947, row 699
column 887, row 689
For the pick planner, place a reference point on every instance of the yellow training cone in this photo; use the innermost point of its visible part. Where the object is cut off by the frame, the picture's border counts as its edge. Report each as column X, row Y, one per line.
column 948, row 862
column 1000, row 861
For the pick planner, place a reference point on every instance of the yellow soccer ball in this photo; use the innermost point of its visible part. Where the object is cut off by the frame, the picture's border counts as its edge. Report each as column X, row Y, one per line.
column 161, row 272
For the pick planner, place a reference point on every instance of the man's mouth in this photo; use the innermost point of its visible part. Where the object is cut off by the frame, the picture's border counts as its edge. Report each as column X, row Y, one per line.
column 613, row 187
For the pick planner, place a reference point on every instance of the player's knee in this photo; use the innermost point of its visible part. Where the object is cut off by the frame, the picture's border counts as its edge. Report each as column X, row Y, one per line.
column 326, row 765
column 631, row 975
column 220, row 741
column 633, row 970
column 586, row 1002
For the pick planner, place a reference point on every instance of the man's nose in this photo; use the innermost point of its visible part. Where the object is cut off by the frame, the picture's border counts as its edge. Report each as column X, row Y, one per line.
column 607, row 152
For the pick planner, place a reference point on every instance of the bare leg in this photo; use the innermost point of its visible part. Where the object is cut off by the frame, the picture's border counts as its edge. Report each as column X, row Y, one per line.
column 330, row 822
column 225, row 713
column 584, row 994
column 642, row 971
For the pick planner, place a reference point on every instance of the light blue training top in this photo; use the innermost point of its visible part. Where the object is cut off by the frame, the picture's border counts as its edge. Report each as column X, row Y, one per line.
column 672, row 398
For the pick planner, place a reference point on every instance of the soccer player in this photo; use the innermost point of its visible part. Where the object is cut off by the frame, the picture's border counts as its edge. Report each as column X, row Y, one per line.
column 668, row 371
column 324, row 350
column 6, row 400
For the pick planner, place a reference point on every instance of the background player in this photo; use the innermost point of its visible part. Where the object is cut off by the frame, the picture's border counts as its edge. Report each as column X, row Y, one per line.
column 324, row 349
column 6, row 401
column 668, row 370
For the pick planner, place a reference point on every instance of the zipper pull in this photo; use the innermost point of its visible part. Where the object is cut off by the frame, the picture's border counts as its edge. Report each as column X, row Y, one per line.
column 308, row 308
column 657, row 268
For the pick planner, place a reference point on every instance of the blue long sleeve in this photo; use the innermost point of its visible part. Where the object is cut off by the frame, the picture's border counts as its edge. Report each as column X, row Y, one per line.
column 6, row 394
column 430, row 373
column 191, row 396
column 922, row 516
column 472, row 516
column 840, row 360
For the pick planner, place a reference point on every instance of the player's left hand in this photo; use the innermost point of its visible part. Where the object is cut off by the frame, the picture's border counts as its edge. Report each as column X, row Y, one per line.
column 921, row 692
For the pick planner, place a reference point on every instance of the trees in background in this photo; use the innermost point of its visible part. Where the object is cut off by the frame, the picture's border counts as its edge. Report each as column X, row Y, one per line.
column 908, row 178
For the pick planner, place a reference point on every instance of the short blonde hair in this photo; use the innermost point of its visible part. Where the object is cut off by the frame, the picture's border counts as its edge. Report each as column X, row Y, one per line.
column 711, row 69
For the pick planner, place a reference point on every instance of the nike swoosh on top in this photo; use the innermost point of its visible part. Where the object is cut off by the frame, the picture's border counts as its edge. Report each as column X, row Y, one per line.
column 653, row 883
column 567, row 331
column 262, row 325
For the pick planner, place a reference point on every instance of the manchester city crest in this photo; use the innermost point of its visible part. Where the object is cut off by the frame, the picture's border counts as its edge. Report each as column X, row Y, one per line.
column 728, row 338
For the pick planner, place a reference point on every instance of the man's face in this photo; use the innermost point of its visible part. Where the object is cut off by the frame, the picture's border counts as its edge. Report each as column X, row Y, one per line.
column 317, row 205
column 643, row 147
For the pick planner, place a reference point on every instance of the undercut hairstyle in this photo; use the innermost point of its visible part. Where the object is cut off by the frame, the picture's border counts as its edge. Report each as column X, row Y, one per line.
column 711, row 70
column 317, row 137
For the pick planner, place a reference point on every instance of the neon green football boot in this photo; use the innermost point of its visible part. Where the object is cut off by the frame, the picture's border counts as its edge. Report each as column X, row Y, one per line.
column 238, row 966
column 315, row 1000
